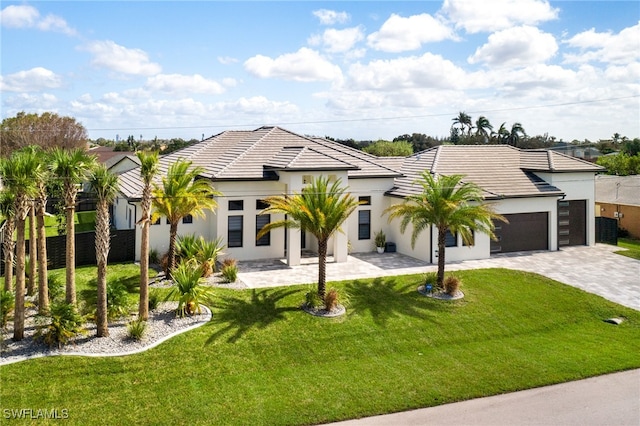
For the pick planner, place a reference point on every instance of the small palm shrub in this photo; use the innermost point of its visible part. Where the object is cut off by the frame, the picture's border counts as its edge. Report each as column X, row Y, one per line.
column 451, row 285
column 7, row 303
column 312, row 299
column 136, row 329
column 118, row 302
column 188, row 288
column 154, row 256
column 61, row 326
column 207, row 255
column 154, row 299
column 431, row 278
column 56, row 289
column 186, row 247
column 230, row 269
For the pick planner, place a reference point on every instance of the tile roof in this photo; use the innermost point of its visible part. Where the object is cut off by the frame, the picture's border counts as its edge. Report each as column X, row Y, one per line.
column 502, row 171
column 243, row 155
column 618, row 189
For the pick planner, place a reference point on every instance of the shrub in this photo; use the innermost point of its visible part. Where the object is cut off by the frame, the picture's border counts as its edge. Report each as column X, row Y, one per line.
column 312, row 299
column 331, row 300
column 154, row 256
column 136, row 329
column 230, row 269
column 187, row 277
column 7, row 303
column 63, row 324
column 207, row 255
column 117, row 300
column 451, row 285
column 431, row 278
column 154, row 299
column 186, row 247
column 56, row 289
column 380, row 239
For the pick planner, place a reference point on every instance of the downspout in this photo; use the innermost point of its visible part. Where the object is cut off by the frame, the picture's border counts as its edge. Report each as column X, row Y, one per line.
column 431, row 244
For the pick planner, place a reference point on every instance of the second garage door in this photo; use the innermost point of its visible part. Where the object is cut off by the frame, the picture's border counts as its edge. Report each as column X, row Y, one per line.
column 524, row 232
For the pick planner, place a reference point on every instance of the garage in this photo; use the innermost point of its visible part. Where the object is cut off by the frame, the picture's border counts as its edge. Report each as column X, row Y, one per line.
column 524, row 232
column 572, row 223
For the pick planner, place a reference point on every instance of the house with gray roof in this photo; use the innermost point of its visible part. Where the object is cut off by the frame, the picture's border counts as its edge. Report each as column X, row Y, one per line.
column 548, row 197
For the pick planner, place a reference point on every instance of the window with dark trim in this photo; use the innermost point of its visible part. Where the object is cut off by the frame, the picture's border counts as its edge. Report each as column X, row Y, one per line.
column 261, row 205
column 450, row 239
column 261, row 221
column 364, row 224
column 236, row 204
column 364, row 201
column 187, row 219
column 234, row 234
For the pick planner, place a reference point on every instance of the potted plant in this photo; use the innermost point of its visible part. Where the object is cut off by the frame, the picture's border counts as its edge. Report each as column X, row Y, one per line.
column 380, row 241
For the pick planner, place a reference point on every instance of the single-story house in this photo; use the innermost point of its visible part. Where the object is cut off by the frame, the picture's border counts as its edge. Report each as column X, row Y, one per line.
column 548, row 197
column 618, row 197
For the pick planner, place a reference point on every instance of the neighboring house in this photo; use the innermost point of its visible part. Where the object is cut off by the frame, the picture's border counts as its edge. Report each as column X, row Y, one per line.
column 116, row 161
column 547, row 197
column 618, row 197
column 588, row 153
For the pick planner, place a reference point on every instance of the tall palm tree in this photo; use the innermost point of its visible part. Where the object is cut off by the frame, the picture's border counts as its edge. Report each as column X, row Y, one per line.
column 40, row 209
column 182, row 193
column 319, row 209
column 18, row 172
column 502, row 135
column 148, row 170
column 33, row 249
column 7, row 204
column 105, row 186
column 447, row 203
column 464, row 121
column 483, row 127
column 517, row 132
column 73, row 167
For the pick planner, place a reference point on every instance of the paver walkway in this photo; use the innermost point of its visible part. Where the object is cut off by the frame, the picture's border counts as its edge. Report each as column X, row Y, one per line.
column 594, row 269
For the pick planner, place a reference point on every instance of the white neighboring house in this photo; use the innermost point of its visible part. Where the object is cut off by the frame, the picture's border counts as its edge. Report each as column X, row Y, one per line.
column 548, row 197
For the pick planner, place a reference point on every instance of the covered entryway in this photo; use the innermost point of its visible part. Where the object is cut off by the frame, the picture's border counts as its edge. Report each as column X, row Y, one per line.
column 572, row 223
column 524, row 232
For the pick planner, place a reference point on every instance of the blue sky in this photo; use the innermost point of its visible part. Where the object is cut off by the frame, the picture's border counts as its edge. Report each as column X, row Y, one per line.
column 361, row 70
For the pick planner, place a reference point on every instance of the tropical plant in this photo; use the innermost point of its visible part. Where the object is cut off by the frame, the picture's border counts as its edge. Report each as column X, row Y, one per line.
column 188, row 288
column 464, row 121
column 136, row 329
column 320, row 209
column 483, row 127
column 229, row 269
column 7, row 303
column 451, row 285
column 40, row 211
column 55, row 288
column 104, row 185
column 154, row 299
column 7, row 210
column 72, row 167
column 207, row 254
column 380, row 239
column 182, row 193
column 449, row 204
column 517, row 133
column 62, row 325
column 148, row 170
column 186, row 247
column 18, row 174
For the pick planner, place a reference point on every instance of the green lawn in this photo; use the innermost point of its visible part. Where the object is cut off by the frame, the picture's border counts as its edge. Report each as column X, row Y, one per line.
column 262, row 361
column 84, row 221
column 631, row 246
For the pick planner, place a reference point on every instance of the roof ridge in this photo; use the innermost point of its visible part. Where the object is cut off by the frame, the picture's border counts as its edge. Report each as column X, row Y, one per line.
column 353, row 152
column 552, row 166
column 436, row 157
column 250, row 144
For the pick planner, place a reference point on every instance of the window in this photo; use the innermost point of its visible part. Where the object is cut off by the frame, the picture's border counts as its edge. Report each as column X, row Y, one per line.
column 364, row 224
column 472, row 241
column 307, row 179
column 364, row 201
column 187, row 219
column 236, row 204
column 450, row 240
column 234, row 237
column 261, row 221
column 261, row 205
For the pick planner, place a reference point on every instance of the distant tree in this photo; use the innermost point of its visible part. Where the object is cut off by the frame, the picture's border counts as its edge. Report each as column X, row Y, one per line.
column 419, row 141
column 463, row 120
column 517, row 133
column 48, row 130
column 384, row 148
column 605, row 146
column 620, row 164
column 631, row 147
column 347, row 142
column 483, row 127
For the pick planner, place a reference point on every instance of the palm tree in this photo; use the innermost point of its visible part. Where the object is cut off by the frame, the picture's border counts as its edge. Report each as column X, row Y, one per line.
column 447, row 203
column 18, row 174
column 148, row 169
column 319, row 209
column 464, row 121
column 7, row 204
column 502, row 134
column 72, row 167
column 483, row 127
column 182, row 193
column 517, row 132
column 105, row 185
column 40, row 208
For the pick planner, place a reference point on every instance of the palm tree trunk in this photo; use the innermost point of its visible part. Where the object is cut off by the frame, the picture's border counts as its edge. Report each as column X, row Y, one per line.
column 173, row 232
column 70, row 259
column 43, row 286
column 102, row 253
column 322, row 267
column 143, row 308
column 442, row 233
column 8, row 250
column 33, row 251
column 18, row 319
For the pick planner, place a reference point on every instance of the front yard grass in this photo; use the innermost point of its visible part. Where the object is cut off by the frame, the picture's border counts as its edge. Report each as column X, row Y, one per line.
column 261, row 360
column 631, row 246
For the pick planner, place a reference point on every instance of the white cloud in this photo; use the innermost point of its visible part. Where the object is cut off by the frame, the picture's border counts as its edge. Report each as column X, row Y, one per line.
column 487, row 16
column 330, row 17
column 399, row 34
column 227, row 60
column 28, row 17
column 339, row 41
column 31, row 80
column 624, row 74
column 109, row 55
column 305, row 65
column 25, row 102
column 178, row 83
column 259, row 105
column 621, row 48
column 426, row 71
column 518, row 46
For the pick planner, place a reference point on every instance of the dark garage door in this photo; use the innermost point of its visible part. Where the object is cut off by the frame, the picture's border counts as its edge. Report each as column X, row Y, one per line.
column 524, row 232
column 572, row 223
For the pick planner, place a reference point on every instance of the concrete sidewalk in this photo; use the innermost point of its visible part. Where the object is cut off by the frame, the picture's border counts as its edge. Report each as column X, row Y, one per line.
column 612, row 399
